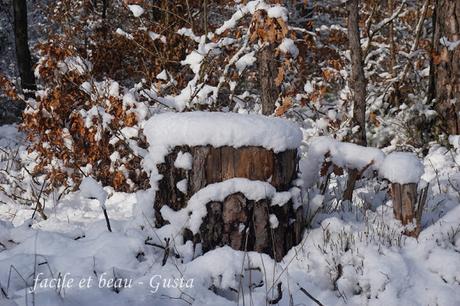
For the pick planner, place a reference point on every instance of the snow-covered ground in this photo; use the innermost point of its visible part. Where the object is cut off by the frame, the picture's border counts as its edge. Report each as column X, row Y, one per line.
column 349, row 255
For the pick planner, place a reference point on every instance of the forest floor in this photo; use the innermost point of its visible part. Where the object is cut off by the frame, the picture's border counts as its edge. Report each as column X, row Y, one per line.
column 349, row 255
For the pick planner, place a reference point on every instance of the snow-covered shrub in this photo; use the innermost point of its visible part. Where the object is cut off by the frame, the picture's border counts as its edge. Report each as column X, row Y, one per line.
column 78, row 126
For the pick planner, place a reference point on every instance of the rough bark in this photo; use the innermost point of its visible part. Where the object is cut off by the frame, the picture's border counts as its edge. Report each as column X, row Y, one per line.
column 211, row 165
column 357, row 78
column 446, row 64
column 395, row 95
column 245, row 225
column 431, row 92
column 406, row 208
column 105, row 4
column 353, row 176
column 267, row 74
column 23, row 59
column 358, row 88
column 238, row 222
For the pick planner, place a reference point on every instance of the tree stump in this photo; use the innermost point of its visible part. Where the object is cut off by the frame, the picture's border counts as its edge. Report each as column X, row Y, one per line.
column 252, row 226
column 236, row 221
column 407, row 206
column 404, row 201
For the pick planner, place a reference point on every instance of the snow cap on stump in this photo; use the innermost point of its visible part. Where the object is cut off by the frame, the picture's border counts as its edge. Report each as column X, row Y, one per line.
column 218, row 129
column 402, row 168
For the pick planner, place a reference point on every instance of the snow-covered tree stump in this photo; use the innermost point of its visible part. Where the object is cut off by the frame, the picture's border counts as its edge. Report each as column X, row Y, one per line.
column 186, row 170
column 404, row 200
column 404, row 170
column 227, row 179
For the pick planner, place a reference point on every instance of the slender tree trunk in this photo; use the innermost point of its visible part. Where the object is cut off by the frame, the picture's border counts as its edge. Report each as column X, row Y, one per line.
column 205, row 17
column 392, row 41
column 23, row 59
column 446, row 64
column 267, row 75
column 357, row 80
column 431, row 93
column 394, row 98
column 358, row 90
column 105, row 5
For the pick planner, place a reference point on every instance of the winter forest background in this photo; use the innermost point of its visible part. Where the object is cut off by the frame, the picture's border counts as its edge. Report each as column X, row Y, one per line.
column 348, row 111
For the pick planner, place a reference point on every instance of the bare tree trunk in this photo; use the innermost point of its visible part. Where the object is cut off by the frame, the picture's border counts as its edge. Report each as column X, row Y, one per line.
column 358, row 90
column 23, row 59
column 446, row 62
column 394, row 97
column 431, row 93
column 205, row 17
column 105, row 4
column 357, row 80
column 392, row 41
column 267, row 74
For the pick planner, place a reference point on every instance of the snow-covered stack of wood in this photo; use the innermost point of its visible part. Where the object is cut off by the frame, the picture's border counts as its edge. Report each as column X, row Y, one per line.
column 227, row 179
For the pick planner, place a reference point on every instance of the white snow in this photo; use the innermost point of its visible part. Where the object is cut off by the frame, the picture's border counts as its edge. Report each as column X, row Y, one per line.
column 182, row 186
column 183, row 160
column 402, row 168
column 278, row 12
column 288, row 46
column 245, row 61
column 192, row 215
column 137, row 10
column 162, row 75
column 189, row 33
column 193, row 59
column 308, row 88
column 92, row 189
column 397, row 167
column 322, row 124
column 125, row 34
column 167, row 130
column 231, row 23
column 454, row 140
column 273, row 221
column 379, row 265
column 154, row 36
column 76, row 64
column 129, row 132
column 450, row 45
column 342, row 154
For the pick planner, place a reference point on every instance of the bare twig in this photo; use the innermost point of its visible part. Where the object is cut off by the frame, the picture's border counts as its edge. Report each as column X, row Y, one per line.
column 310, row 296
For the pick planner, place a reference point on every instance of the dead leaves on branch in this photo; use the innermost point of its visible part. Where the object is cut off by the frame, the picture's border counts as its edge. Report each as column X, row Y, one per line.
column 66, row 138
column 266, row 29
column 8, row 88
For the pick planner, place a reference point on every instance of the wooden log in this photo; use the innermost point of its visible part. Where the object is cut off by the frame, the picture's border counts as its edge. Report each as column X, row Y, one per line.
column 407, row 207
column 404, row 202
column 212, row 165
column 408, row 202
column 236, row 221
column 245, row 225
